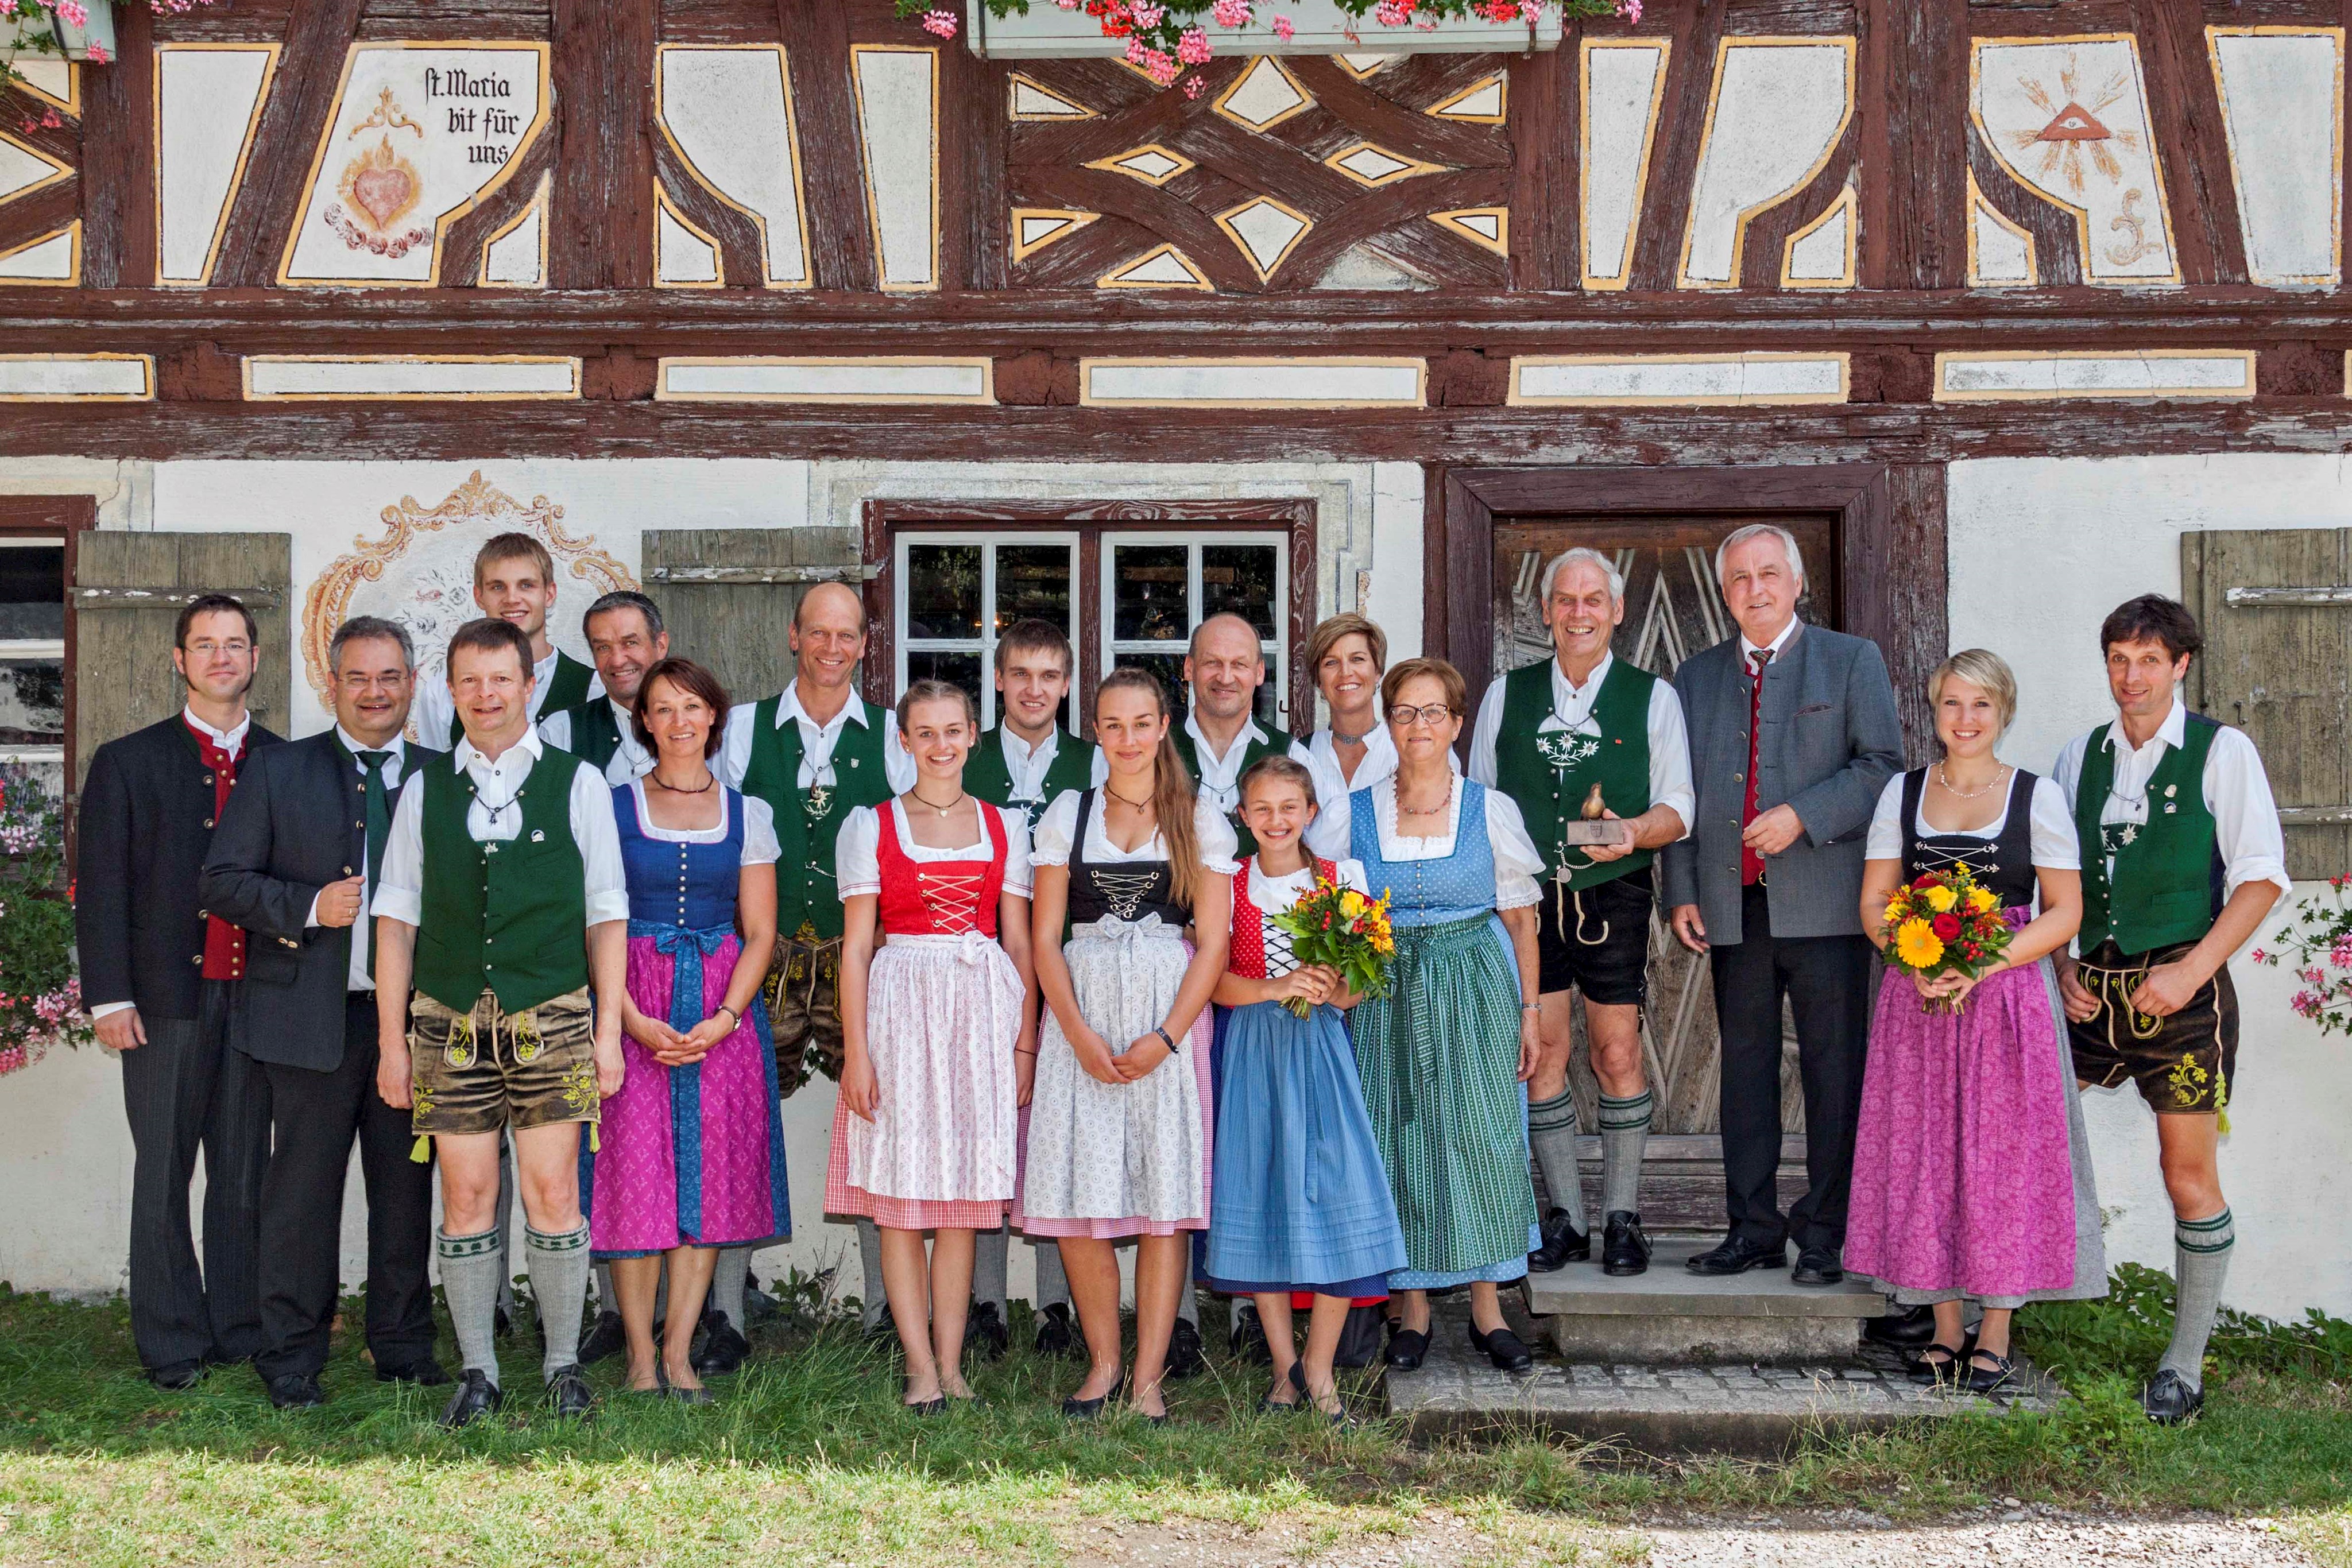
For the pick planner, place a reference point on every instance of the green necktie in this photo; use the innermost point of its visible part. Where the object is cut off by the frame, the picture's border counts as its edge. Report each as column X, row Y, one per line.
column 378, row 831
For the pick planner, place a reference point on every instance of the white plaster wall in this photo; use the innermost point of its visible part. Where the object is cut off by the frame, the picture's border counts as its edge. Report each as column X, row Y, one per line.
column 2041, row 549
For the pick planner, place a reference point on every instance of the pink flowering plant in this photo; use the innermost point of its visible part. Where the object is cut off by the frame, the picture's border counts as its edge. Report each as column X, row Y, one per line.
column 41, row 24
column 2317, row 944
column 40, row 997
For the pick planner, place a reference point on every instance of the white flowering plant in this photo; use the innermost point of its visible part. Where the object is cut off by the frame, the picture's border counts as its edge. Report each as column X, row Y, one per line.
column 40, row 996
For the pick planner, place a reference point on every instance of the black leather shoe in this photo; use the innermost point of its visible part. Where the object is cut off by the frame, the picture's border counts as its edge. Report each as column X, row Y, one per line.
column 1053, row 1334
column 1407, row 1347
column 984, row 1333
column 2169, row 1401
column 723, row 1347
column 1563, row 1244
column 1817, row 1266
column 1625, row 1249
column 178, row 1377
column 295, row 1391
column 1504, row 1349
column 569, row 1393
column 1737, row 1255
column 1939, row 1364
column 424, row 1372
column 1248, row 1340
column 605, row 1338
column 1185, row 1357
column 1984, row 1373
column 1905, row 1330
column 477, row 1396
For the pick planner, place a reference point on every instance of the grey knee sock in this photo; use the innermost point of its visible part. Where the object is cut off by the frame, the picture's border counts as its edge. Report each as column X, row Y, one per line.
column 1551, row 1130
column 1052, row 1285
column 469, row 1278
column 606, row 1302
column 1625, row 1132
column 869, row 1252
column 988, row 1265
column 2200, row 1251
column 732, row 1267
column 558, row 1266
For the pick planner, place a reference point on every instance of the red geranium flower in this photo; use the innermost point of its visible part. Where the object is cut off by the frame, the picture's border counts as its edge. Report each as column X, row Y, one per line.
column 1946, row 926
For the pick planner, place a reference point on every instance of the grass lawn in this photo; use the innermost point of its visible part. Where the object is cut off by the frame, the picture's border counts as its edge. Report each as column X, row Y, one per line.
column 807, row 1458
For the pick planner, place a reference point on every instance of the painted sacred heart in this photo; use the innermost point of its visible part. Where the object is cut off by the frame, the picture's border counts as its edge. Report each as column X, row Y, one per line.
column 383, row 193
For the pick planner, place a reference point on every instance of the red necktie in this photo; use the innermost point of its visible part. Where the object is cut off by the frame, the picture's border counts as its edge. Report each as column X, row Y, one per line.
column 1751, row 865
column 224, row 942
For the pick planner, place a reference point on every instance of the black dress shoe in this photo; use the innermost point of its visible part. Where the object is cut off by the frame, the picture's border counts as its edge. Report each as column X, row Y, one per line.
column 477, row 1396
column 1983, row 1372
column 1504, row 1349
column 1563, row 1244
column 1817, row 1266
column 1185, row 1357
column 1079, row 1409
column 1905, row 1330
column 1939, row 1364
column 984, row 1333
column 605, row 1338
column 2169, row 1401
column 1737, row 1255
column 723, row 1347
column 178, row 1377
column 1053, row 1334
column 569, row 1393
column 424, row 1372
column 1248, row 1341
column 1625, row 1249
column 295, row 1391
column 1407, row 1347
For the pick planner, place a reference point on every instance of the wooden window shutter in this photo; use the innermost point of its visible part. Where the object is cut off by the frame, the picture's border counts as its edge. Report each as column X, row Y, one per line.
column 2277, row 607
column 129, row 590
column 728, row 595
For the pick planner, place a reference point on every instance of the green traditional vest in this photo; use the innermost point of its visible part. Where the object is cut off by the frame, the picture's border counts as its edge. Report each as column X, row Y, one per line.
column 566, row 688
column 595, row 733
column 808, row 903
column 1254, row 749
column 512, row 917
column 989, row 776
column 1549, row 775
column 2167, row 886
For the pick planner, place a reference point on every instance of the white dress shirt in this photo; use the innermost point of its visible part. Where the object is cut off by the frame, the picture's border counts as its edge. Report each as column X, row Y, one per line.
column 1516, row 862
column 1221, row 776
column 1331, row 781
column 631, row 762
column 2236, row 792
column 818, row 741
column 360, row 980
column 1780, row 645
column 492, row 816
column 1571, row 710
column 857, row 849
column 1027, row 765
column 436, row 709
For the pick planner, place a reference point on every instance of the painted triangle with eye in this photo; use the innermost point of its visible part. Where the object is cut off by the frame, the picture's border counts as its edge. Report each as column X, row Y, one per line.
column 2075, row 123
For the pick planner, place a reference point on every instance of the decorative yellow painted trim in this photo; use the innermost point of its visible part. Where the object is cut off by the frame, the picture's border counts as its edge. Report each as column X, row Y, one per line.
column 1848, row 203
column 2080, row 216
column 146, row 365
column 866, row 164
column 792, row 140
column 1265, row 273
column 1520, row 363
column 1499, row 80
column 71, row 102
column 985, row 398
column 1665, row 49
column 523, row 144
column 538, row 203
column 73, row 277
column 1451, row 221
column 57, row 171
column 1845, row 42
column 1412, row 166
column 244, row 155
column 662, row 203
column 1368, row 72
column 1306, row 99
column 1111, row 164
column 1086, row 366
column 1012, row 96
column 2213, row 37
column 2101, row 394
column 1075, row 220
column 252, row 359
column 1979, row 203
column 1112, row 279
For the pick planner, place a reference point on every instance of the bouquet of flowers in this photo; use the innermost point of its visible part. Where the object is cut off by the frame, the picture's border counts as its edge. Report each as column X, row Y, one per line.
column 1342, row 929
column 2316, row 943
column 1946, row 923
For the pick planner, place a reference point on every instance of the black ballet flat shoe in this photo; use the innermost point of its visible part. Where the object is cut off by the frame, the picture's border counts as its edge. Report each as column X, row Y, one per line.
column 1562, row 1244
column 1079, row 1409
column 1503, row 1348
column 477, row 1396
column 295, row 1391
column 1939, row 1364
column 1055, row 1337
column 1905, row 1330
column 1983, row 1379
column 1407, row 1348
column 605, row 1338
column 934, row 1407
column 1185, row 1357
column 424, row 1372
column 984, row 1333
column 1269, row 1405
column 178, row 1377
column 2169, row 1401
column 1625, row 1249
column 1737, row 1255
column 568, row 1395
column 1248, row 1341
column 723, row 1348
column 1817, row 1266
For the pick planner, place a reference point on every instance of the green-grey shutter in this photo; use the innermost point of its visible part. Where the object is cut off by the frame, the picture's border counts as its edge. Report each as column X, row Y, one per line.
column 728, row 595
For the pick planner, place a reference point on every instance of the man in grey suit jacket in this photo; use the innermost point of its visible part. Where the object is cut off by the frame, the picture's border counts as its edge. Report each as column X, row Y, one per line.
column 1793, row 733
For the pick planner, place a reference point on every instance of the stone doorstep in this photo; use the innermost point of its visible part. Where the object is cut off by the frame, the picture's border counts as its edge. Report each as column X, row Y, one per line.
column 1671, row 1316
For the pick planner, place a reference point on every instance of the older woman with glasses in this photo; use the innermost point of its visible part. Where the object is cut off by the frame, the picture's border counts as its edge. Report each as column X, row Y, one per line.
column 1443, row 1056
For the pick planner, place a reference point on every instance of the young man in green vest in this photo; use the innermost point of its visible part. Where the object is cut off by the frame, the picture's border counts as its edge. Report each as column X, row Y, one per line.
column 2182, row 859
column 503, row 900
column 1549, row 736
column 814, row 752
column 1220, row 740
column 626, row 637
column 514, row 582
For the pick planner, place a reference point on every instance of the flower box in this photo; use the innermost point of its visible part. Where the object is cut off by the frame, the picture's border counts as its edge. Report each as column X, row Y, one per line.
column 98, row 31
column 1045, row 31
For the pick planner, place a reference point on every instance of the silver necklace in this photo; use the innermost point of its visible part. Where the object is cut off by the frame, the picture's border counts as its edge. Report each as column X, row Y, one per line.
column 2000, row 775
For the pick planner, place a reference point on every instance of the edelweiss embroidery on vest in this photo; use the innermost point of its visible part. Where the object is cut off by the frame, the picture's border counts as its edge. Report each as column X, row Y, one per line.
column 1566, row 748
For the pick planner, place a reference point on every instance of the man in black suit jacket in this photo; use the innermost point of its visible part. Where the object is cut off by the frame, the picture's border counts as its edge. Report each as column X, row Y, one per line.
column 155, row 974
column 295, row 857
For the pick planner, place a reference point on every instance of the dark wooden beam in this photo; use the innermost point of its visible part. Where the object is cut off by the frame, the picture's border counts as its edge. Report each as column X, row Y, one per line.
column 118, row 166
column 301, row 99
column 841, row 240
column 1914, row 155
column 1674, row 167
column 600, row 211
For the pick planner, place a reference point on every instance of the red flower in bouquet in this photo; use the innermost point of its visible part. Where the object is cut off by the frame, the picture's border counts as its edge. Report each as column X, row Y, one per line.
column 1945, row 927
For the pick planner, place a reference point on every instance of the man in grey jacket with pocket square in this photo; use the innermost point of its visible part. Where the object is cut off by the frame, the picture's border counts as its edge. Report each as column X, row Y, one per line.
column 1793, row 735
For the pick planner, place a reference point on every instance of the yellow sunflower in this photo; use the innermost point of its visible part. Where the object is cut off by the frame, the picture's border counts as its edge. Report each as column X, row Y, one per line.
column 1916, row 945
column 1940, row 898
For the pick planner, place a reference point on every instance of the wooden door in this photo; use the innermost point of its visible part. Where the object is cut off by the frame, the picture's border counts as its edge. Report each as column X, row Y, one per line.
column 728, row 596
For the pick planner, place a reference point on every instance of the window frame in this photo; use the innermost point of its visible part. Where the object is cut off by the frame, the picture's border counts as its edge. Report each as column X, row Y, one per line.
column 55, row 517
column 985, row 643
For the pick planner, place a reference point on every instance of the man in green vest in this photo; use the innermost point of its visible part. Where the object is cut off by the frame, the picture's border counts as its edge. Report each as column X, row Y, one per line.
column 514, row 582
column 626, row 639
column 1553, row 737
column 2182, row 858
column 1220, row 739
column 814, row 752
column 503, row 900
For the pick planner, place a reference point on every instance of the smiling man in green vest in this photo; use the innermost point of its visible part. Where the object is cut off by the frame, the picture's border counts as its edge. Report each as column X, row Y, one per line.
column 503, row 899
column 1220, row 740
column 2182, row 859
column 626, row 639
column 514, row 582
column 1551, row 736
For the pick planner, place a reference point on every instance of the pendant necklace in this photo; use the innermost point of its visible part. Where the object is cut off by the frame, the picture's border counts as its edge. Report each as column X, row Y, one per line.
column 1999, row 776
column 1143, row 805
column 942, row 810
